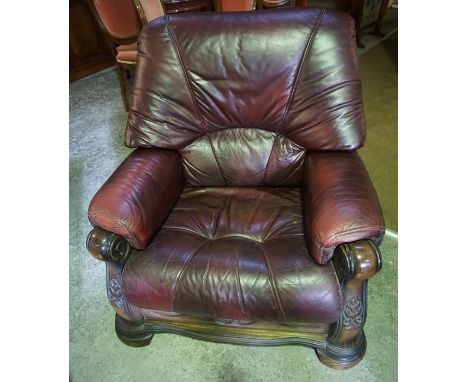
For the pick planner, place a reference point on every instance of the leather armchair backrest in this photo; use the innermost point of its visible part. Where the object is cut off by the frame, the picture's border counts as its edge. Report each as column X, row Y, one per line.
column 243, row 95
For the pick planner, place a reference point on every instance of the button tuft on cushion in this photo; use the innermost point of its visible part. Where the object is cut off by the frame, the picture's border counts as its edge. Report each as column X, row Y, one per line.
column 235, row 253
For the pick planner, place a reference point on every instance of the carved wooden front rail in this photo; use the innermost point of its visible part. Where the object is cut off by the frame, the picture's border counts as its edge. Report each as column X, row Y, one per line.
column 340, row 345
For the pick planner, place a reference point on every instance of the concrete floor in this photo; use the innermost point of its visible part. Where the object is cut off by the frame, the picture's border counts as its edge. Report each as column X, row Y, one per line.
column 379, row 73
column 97, row 123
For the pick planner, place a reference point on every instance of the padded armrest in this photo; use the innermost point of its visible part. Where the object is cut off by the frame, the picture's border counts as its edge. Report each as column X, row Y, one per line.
column 341, row 204
column 137, row 197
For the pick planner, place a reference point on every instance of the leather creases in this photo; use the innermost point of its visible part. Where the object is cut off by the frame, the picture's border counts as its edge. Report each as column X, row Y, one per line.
column 237, row 253
column 242, row 157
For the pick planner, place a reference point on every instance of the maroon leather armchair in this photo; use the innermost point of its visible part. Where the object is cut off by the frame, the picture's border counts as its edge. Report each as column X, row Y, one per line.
column 245, row 214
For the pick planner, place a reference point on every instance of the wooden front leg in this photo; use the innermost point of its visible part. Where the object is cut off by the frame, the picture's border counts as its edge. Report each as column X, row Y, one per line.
column 354, row 263
column 107, row 246
column 114, row 250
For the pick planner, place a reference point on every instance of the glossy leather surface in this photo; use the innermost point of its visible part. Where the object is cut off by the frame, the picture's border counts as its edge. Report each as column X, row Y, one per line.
column 137, row 197
column 257, row 115
column 243, row 157
column 341, row 204
column 236, row 253
column 201, row 73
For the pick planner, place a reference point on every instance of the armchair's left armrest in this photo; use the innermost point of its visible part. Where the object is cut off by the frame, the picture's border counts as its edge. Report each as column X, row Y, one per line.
column 138, row 196
column 341, row 204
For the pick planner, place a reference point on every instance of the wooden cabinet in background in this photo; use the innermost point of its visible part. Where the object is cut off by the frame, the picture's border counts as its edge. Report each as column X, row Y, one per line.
column 89, row 49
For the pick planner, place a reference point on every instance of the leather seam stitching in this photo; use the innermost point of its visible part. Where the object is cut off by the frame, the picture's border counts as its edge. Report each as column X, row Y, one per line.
column 241, row 295
column 178, row 229
column 339, row 286
column 313, row 33
column 342, row 234
column 127, row 306
column 145, row 117
column 200, row 235
column 216, row 159
column 349, row 232
column 184, row 70
column 182, row 274
column 273, row 286
column 268, row 161
column 131, row 236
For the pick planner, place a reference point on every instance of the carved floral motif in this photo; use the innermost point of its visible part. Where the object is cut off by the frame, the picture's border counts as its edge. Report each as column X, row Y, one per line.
column 353, row 313
column 114, row 292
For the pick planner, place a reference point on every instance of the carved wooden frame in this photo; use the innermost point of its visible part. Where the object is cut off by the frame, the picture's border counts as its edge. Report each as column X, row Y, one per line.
column 340, row 345
column 141, row 10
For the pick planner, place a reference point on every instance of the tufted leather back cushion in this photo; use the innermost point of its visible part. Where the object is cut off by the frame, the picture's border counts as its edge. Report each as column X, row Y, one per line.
column 243, row 95
column 242, row 157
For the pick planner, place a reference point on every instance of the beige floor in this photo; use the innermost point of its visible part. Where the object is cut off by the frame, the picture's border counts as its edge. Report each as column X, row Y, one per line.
column 379, row 72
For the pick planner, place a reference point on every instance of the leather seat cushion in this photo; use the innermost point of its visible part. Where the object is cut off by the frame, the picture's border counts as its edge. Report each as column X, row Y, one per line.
column 234, row 253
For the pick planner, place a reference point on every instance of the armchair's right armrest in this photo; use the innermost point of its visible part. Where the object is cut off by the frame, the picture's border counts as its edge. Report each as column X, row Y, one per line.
column 139, row 195
column 341, row 204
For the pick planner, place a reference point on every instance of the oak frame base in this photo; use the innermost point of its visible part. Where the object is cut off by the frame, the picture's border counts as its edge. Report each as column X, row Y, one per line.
column 131, row 333
column 341, row 358
column 340, row 345
column 140, row 334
